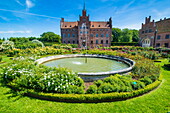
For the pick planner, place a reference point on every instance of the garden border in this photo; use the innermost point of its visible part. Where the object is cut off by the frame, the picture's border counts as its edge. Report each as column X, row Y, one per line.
column 93, row 98
column 88, row 77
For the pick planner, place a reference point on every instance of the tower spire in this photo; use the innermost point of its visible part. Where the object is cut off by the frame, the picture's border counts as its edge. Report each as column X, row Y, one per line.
column 84, row 7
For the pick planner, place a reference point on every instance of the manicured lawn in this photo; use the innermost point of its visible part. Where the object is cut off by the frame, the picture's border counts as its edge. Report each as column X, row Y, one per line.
column 157, row 101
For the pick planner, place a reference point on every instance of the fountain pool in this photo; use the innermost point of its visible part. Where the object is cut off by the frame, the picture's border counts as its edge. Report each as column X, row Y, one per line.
column 93, row 65
column 97, row 66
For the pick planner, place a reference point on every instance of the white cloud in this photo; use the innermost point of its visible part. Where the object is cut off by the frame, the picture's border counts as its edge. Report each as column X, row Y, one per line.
column 4, row 18
column 19, row 2
column 29, row 4
column 161, row 13
column 29, row 13
column 125, row 7
column 11, row 32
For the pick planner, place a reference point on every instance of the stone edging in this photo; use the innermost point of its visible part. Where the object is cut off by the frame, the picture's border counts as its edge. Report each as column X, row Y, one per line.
column 93, row 76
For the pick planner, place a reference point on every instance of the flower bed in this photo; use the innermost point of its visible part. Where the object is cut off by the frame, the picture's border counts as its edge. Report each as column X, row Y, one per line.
column 64, row 85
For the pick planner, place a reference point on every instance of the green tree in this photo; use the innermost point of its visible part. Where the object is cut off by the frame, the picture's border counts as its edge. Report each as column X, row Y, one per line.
column 135, row 35
column 116, row 34
column 50, row 37
column 126, row 35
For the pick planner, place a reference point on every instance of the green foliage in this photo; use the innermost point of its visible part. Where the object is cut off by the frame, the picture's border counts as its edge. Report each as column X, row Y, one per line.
column 146, row 80
column 98, row 82
column 24, row 73
column 107, row 88
column 125, row 35
column 124, row 43
column 0, row 58
column 92, row 89
column 146, row 68
column 50, row 37
column 116, row 34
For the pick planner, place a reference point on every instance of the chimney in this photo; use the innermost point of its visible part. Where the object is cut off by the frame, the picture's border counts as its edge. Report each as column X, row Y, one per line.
column 146, row 20
column 62, row 19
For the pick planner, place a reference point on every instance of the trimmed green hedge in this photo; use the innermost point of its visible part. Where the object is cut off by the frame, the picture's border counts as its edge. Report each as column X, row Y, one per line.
column 124, row 43
column 91, row 98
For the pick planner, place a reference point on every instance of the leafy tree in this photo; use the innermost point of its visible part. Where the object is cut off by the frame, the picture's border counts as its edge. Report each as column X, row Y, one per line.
column 126, row 35
column 116, row 34
column 135, row 35
column 50, row 37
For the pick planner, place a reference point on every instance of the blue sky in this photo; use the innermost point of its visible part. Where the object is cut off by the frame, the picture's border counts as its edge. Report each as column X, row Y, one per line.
column 27, row 18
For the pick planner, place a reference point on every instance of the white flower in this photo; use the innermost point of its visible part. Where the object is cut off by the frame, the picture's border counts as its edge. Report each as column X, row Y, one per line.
column 56, row 89
column 48, row 83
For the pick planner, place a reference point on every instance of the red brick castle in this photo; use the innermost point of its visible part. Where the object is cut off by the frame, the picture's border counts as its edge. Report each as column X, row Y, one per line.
column 155, row 34
column 86, row 33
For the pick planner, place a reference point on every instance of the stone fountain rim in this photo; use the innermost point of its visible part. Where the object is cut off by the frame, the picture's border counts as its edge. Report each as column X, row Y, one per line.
column 129, row 62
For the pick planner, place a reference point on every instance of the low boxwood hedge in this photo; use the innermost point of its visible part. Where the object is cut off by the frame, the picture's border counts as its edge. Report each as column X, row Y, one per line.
column 93, row 98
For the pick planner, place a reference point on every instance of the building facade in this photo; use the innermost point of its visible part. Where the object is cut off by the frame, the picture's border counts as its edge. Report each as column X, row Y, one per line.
column 155, row 34
column 86, row 33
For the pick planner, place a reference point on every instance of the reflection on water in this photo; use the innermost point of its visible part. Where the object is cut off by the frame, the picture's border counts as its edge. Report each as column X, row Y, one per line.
column 93, row 64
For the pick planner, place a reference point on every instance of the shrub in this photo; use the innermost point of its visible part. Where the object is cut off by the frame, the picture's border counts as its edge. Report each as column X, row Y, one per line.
column 137, row 84
column 92, row 89
column 0, row 58
column 25, row 73
column 107, row 88
column 98, row 82
column 146, row 80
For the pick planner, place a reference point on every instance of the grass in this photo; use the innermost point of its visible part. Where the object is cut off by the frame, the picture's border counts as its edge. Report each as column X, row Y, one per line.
column 157, row 101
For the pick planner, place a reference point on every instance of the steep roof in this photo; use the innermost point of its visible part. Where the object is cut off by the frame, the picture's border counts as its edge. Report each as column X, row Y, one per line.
column 69, row 24
column 99, row 25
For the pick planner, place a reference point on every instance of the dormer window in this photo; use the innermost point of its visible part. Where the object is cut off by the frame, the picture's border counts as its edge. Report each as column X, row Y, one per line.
column 92, row 25
column 65, row 26
column 70, row 25
column 99, row 25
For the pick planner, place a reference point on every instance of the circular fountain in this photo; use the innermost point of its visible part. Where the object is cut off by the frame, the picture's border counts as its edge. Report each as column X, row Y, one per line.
column 96, row 67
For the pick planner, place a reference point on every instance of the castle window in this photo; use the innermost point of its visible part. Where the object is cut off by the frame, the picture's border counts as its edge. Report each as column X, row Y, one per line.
column 158, row 45
column 97, row 35
column 107, row 41
column 64, row 35
column 102, row 35
column 107, row 35
column 91, row 35
column 166, row 44
column 158, row 37
column 68, row 35
column 146, row 31
column 101, row 41
column 96, row 41
column 150, row 30
column 167, row 36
